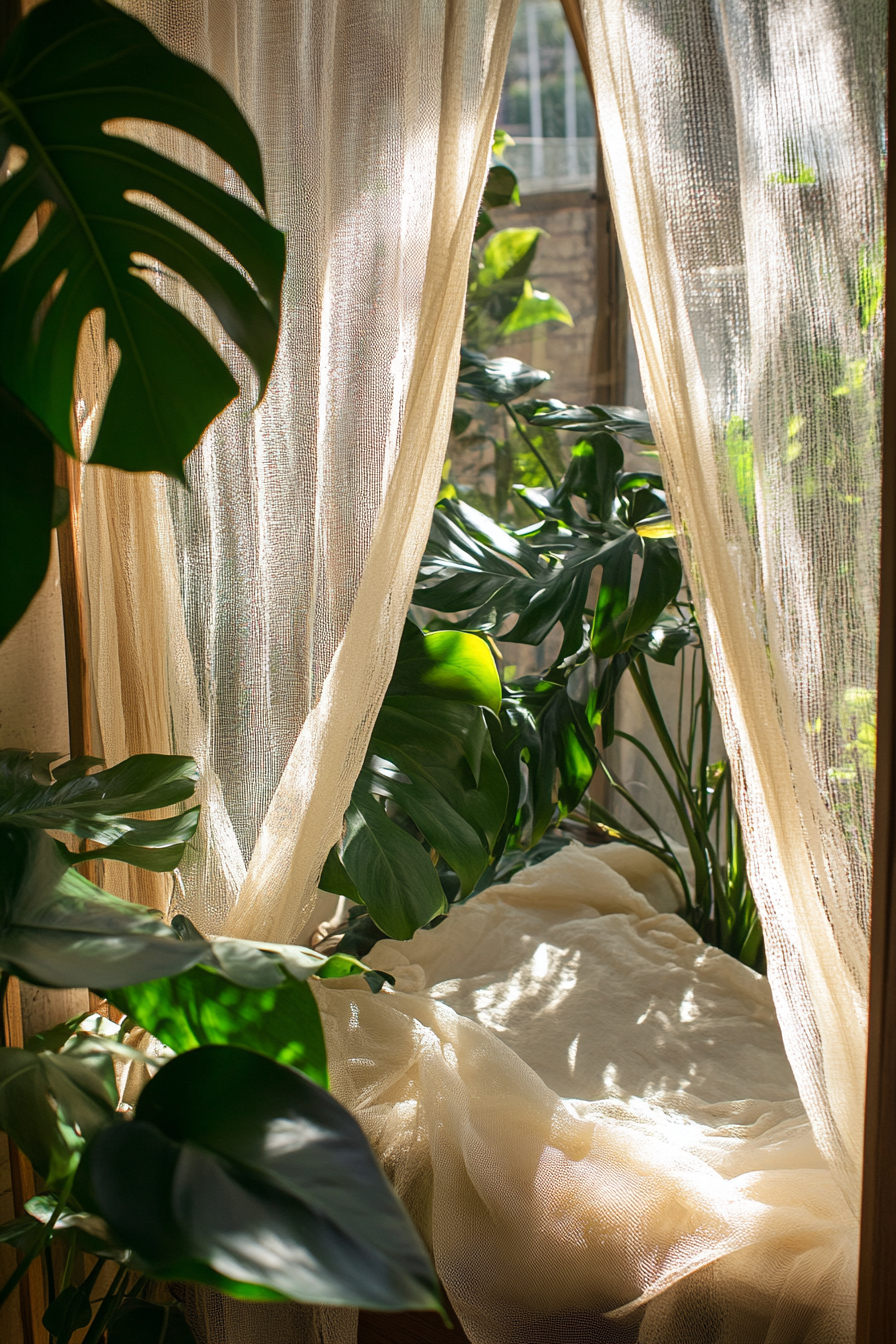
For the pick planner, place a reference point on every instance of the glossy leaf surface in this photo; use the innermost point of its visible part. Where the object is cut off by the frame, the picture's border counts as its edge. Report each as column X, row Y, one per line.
column 58, row 929
column 202, row 1007
column 95, row 806
column 26, row 508
column 431, row 757
column 241, row 1173
column 51, row 1105
column 71, row 67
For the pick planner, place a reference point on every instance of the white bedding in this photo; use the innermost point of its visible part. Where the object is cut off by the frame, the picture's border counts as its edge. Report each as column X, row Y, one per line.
column 589, row 1111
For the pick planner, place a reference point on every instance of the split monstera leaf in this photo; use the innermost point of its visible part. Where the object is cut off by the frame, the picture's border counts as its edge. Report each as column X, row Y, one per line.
column 88, row 218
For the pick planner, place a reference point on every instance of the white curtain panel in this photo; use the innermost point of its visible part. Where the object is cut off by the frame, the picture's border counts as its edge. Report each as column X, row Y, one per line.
column 253, row 619
column 743, row 142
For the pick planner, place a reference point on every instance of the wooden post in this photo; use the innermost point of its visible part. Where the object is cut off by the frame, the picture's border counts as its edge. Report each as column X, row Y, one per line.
column 877, row 1253
column 31, row 1288
column 68, row 474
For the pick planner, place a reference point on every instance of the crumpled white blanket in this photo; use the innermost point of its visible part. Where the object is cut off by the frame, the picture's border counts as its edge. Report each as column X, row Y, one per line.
column 591, row 1117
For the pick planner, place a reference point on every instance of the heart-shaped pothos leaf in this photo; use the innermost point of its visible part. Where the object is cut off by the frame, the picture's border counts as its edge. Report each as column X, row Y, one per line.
column 240, row 1173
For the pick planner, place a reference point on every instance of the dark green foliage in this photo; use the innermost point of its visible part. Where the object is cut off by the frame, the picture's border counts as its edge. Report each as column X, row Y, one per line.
column 203, row 1007
column 596, row 558
column 70, row 67
column 137, row 1322
column 58, row 929
column 67, row 798
column 255, row 1153
column 26, row 507
column 431, row 776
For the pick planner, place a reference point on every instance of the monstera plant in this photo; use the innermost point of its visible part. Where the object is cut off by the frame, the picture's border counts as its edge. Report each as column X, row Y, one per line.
column 86, row 223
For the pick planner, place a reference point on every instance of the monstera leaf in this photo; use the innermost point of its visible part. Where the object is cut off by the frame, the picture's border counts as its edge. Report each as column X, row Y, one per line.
column 95, row 806
column 58, row 929
column 81, row 231
column 431, row 772
column 27, row 507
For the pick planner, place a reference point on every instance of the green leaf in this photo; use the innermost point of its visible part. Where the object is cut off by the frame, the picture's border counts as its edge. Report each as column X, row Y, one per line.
column 239, row 1172
column 139, row 1322
column 561, row 751
column 417, row 732
column 259, row 965
column 656, row 526
column 70, row 67
column 457, row 840
column 58, row 929
column 501, row 187
column 201, row 1007
column 157, row 846
column 19, row 1232
column 500, row 142
column 89, row 1231
column 533, row 308
column 592, row 472
column 69, row 1311
column 624, row 420
column 446, row 663
column 334, row 877
column 460, row 423
column 52, row 1105
column 484, row 225
column 94, row 806
column 611, row 610
column 26, row 508
column 511, row 252
column 496, row 381
column 391, row 870
column 658, row 585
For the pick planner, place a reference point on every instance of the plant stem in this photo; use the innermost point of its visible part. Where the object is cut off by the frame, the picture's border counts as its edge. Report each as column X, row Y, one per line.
column 31, row 1255
column 86, row 1288
column 516, row 420
column 108, row 1307
column 69, row 1263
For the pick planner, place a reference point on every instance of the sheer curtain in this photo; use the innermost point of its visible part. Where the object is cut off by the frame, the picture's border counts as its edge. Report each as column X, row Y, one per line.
column 256, row 618
column 743, row 142
column 252, row 620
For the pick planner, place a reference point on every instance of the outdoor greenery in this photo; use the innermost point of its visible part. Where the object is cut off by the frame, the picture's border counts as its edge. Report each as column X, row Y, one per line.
column 185, row 1181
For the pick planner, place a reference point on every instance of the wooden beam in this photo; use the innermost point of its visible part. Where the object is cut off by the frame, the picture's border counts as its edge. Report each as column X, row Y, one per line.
column 31, row 1288
column 71, row 583
column 573, row 11
column 877, row 1251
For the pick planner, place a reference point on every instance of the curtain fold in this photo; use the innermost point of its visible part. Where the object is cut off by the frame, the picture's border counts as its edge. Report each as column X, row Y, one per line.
column 743, row 143
column 253, row 619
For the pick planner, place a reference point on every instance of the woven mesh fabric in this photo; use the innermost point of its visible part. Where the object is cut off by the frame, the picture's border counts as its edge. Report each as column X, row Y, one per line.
column 593, row 1120
column 743, row 141
column 252, row 620
column 254, row 623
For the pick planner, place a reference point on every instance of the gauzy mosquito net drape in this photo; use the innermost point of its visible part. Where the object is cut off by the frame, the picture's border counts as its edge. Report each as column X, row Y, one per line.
column 600, row 1125
column 252, row 620
column 744, row 144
